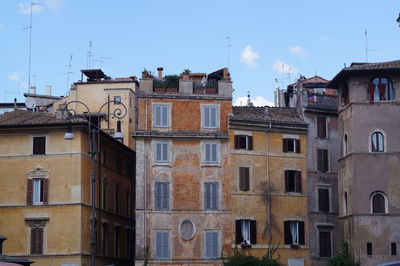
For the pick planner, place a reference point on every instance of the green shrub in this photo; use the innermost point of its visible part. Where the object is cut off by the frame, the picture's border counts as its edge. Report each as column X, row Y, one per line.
column 343, row 258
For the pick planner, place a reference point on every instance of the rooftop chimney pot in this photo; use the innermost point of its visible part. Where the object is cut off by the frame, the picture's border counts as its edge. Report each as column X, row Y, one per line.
column 160, row 70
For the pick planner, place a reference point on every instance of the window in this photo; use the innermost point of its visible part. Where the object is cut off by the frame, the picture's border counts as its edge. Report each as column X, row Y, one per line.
column 116, row 241
column 211, row 153
column 160, row 115
column 377, row 143
column 369, row 249
column 117, row 99
column 211, row 196
column 36, row 240
column 393, row 249
column 294, row 232
column 37, row 191
column 345, row 203
column 161, row 152
column 292, row 181
column 162, row 245
column 378, row 202
column 345, row 145
column 291, row 145
column 323, row 199
column 321, row 127
column 246, row 232
column 187, row 229
column 105, row 239
column 380, row 89
column 325, row 245
column 322, row 160
column 243, row 142
column 244, row 178
column 116, row 198
column 161, row 196
column 210, row 116
column 345, row 95
column 39, row 145
column 211, row 245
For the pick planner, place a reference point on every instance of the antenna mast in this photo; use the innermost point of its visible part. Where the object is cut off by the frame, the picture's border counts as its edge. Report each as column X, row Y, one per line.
column 69, row 72
column 228, row 45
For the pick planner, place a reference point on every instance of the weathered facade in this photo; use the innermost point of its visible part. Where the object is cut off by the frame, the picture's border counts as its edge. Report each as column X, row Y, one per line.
column 268, row 147
column 45, row 199
column 317, row 105
column 369, row 184
column 183, row 206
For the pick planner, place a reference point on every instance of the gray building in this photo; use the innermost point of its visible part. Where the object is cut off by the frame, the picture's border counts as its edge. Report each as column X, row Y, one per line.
column 369, row 165
column 317, row 106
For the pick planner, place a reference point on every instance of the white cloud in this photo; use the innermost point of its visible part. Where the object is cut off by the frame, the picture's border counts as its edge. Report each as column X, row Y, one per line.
column 258, row 101
column 25, row 8
column 283, row 68
column 16, row 76
column 324, row 38
column 248, row 56
column 298, row 50
column 55, row 4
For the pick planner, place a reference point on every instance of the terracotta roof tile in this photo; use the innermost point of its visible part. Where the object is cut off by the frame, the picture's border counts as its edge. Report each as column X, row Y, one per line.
column 266, row 113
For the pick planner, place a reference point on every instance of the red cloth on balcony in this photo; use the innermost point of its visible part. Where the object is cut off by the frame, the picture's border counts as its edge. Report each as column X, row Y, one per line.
column 382, row 91
column 371, row 90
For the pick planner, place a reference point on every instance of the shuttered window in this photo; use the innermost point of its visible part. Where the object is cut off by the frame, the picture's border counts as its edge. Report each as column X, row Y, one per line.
column 246, row 232
column 243, row 142
column 161, row 115
column 36, row 240
column 291, row 145
column 161, row 152
column 211, row 196
column 210, row 116
column 378, row 203
column 161, row 195
column 39, row 145
column 325, row 248
column 292, row 181
column 162, row 245
column 321, row 127
column 37, row 191
column 393, row 249
column 211, row 152
column 294, row 232
column 323, row 200
column 244, row 178
column 322, row 160
column 211, row 245
column 369, row 249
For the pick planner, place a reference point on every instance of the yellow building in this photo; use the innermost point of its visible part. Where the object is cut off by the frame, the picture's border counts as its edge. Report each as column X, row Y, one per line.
column 45, row 195
column 269, row 197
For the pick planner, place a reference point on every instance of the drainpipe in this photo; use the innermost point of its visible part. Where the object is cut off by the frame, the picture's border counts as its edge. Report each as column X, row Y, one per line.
column 269, row 197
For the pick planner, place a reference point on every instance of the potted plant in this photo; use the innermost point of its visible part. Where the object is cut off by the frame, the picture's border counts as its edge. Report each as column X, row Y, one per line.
column 245, row 245
column 146, row 74
column 185, row 74
column 294, row 246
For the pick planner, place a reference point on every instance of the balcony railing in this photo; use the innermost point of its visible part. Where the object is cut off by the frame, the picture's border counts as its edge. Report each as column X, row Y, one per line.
column 166, row 86
column 324, row 101
column 205, row 88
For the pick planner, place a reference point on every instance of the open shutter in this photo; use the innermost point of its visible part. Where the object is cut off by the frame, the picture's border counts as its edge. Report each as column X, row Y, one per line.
column 45, row 190
column 298, row 147
column 253, row 232
column 250, row 142
column 237, row 139
column 284, row 143
column 286, row 180
column 288, row 236
column 298, row 181
column 29, row 194
column 301, row 233
column 239, row 237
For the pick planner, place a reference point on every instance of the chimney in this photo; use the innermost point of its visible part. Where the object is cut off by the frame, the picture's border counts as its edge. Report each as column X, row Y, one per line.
column 47, row 90
column 160, row 70
column 2, row 239
column 32, row 90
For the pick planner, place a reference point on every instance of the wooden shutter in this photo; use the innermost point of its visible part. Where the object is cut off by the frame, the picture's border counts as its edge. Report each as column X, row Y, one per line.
column 323, row 199
column 298, row 181
column 207, row 196
column 301, row 233
column 39, row 243
column 206, row 116
column 286, row 180
column 165, row 196
column 250, row 142
column 325, row 244
column 29, row 193
column 239, row 237
column 215, row 196
column 321, row 127
column 244, row 182
column 298, row 147
column 285, row 145
column 253, row 232
column 157, row 196
column 320, row 160
column 39, row 145
column 33, row 240
column 45, row 183
column 237, row 141
column 288, row 236
column 325, row 161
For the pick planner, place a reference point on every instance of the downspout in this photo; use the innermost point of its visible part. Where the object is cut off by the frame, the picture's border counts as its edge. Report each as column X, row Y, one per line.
column 269, row 197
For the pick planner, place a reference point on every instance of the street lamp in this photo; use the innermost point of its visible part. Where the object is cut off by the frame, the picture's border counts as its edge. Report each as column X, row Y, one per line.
column 94, row 134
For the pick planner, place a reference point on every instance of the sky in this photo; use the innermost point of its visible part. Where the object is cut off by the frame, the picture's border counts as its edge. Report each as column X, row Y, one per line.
column 259, row 40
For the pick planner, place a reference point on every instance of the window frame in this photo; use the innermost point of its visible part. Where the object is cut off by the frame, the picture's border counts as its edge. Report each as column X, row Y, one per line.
column 37, row 241
column 214, row 203
column 376, row 96
column 216, row 253
column 300, row 233
column 162, row 161
column 296, row 145
column 117, row 99
column 167, row 114
column 248, row 142
column 252, row 231
column 386, row 211
column 377, row 132
column 217, row 153
column 329, row 207
column 162, row 206
column 297, row 181
column 325, row 166
column 244, row 179
column 157, row 255
column 117, row 198
column 324, row 133
column 203, row 116
column 38, row 150
column 329, row 231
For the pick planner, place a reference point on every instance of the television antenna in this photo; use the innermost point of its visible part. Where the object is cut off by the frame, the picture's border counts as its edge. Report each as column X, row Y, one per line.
column 90, row 54
column 101, row 60
column 68, row 72
column 30, row 40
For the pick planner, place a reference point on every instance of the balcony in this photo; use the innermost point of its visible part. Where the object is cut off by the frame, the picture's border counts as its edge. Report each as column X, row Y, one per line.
column 322, row 101
column 209, row 87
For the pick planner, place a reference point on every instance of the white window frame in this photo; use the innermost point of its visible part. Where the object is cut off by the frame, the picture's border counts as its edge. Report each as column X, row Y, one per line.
column 218, row 153
column 218, row 192
column 385, row 144
column 329, row 188
column 203, row 116
column 37, row 190
column 168, row 115
column 169, row 245
column 168, row 199
column 321, row 229
column 45, row 147
column 164, row 145
column 371, row 202
column 218, row 244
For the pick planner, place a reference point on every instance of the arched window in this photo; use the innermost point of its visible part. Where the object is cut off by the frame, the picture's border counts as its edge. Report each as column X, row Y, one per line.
column 380, row 89
column 377, row 142
column 345, row 203
column 378, row 203
column 345, row 145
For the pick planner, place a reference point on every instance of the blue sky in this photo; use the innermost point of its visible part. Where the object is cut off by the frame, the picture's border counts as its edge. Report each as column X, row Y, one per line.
column 269, row 39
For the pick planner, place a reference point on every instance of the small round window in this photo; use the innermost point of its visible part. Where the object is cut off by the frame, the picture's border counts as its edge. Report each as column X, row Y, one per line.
column 187, row 230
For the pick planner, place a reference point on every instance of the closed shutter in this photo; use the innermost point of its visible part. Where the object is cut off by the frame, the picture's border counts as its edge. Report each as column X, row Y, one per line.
column 29, row 194
column 39, row 145
column 239, row 236
column 213, row 114
column 211, row 244
column 37, row 241
column 164, row 115
column 321, row 127
column 298, row 181
column 208, row 152
column 253, row 232
column 298, row 146
column 207, row 196
column 250, row 142
column 325, row 244
column 320, row 160
column 158, row 244
column 165, row 152
column 206, row 117
column 287, row 182
column 214, row 152
column 45, row 183
column 323, row 199
column 214, row 204
column 285, row 145
column 288, row 236
column 237, row 141
column 325, row 161
column 33, row 240
column 301, row 232
column 157, row 115
column 244, row 179
column 211, row 196
column 165, row 196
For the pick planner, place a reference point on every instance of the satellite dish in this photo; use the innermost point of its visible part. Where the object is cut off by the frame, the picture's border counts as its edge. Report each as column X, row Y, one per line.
column 30, row 103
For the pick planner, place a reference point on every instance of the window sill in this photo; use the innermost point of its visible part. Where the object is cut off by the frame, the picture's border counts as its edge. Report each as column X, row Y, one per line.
column 168, row 164
column 218, row 164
